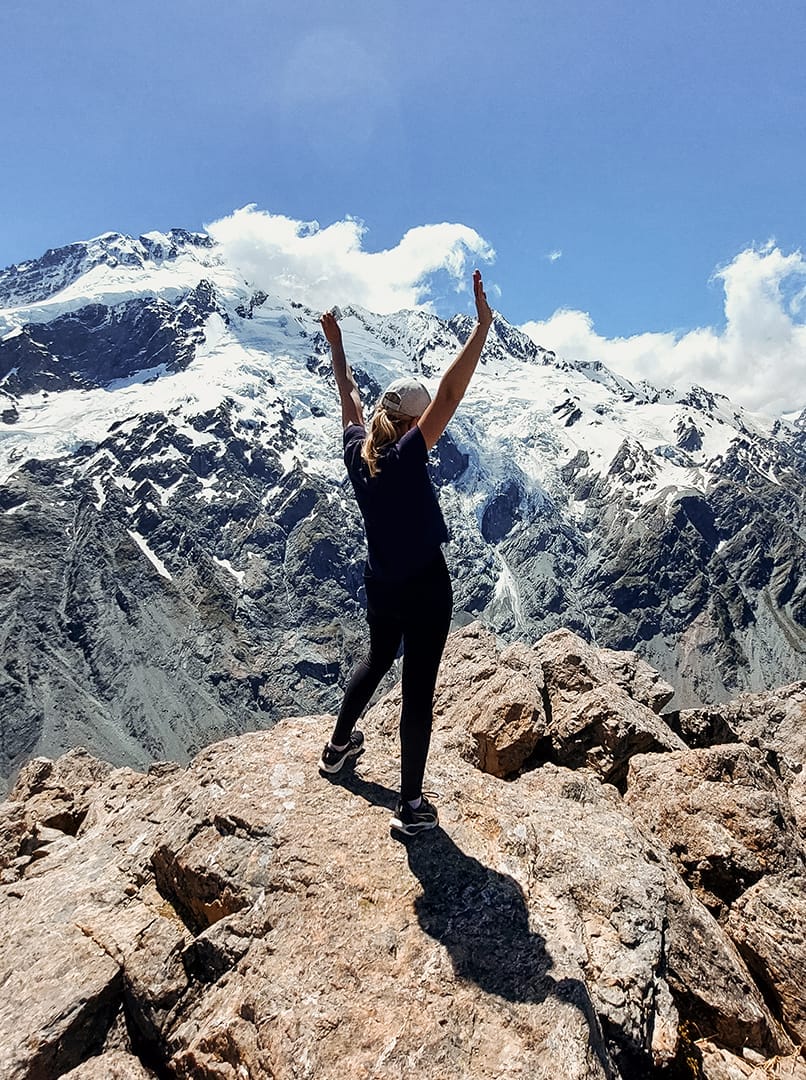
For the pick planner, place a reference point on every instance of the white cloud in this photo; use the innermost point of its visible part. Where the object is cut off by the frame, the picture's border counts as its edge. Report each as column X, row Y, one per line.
column 326, row 266
column 758, row 359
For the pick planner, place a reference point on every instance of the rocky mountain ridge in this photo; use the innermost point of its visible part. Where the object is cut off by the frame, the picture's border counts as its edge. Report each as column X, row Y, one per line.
column 40, row 279
column 181, row 557
column 609, row 895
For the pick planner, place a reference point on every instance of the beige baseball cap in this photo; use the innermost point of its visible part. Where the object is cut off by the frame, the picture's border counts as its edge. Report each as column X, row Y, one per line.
column 406, row 397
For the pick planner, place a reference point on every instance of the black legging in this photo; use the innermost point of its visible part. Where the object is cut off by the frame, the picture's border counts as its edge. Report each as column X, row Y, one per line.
column 418, row 612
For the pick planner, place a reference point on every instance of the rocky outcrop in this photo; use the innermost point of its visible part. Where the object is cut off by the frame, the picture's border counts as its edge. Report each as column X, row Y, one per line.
column 724, row 815
column 247, row 917
column 774, row 721
column 563, row 701
column 768, row 924
column 594, row 719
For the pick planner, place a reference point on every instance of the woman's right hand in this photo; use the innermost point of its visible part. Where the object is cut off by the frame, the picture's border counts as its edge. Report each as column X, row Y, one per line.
column 485, row 315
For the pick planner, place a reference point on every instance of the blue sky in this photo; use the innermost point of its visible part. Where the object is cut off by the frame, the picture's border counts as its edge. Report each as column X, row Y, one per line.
column 645, row 144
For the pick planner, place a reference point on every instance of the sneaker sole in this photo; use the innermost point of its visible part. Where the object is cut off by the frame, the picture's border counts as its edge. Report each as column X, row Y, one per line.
column 414, row 828
column 341, row 763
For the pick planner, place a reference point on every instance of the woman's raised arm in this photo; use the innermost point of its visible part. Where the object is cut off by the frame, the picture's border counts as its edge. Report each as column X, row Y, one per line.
column 351, row 411
column 456, row 379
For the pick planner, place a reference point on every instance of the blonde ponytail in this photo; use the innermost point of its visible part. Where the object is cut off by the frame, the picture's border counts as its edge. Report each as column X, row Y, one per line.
column 383, row 430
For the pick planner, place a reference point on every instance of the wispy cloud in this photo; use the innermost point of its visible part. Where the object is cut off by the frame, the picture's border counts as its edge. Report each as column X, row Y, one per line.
column 333, row 85
column 322, row 266
column 758, row 359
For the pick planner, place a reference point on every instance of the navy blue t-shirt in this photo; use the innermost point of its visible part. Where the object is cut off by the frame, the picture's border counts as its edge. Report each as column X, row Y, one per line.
column 402, row 518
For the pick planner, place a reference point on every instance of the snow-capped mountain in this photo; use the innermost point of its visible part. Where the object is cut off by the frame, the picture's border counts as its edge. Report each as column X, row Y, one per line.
column 181, row 554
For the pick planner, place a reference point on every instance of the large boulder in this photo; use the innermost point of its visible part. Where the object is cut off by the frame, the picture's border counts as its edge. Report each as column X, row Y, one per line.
column 773, row 720
column 768, row 923
column 593, row 721
column 722, row 813
column 506, row 718
column 487, row 696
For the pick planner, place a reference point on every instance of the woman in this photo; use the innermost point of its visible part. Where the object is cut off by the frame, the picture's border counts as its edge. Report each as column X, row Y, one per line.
column 408, row 587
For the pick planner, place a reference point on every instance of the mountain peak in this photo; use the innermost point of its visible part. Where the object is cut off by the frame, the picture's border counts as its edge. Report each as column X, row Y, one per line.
column 40, row 279
column 640, row 518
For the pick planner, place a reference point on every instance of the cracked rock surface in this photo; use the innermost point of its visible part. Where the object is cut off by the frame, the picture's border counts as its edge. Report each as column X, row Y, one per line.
column 247, row 917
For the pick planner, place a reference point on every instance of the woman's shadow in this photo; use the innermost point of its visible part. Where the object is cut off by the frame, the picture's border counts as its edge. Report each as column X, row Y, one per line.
column 481, row 918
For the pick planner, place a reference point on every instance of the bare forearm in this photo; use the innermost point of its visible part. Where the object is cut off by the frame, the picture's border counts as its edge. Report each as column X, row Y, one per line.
column 456, row 379
column 338, row 360
column 351, row 411
column 454, row 382
column 341, row 369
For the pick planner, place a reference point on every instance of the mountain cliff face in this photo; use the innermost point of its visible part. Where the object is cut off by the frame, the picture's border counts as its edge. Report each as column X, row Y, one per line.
column 612, row 894
column 181, row 557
